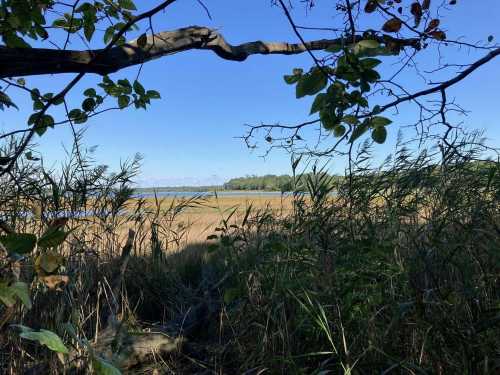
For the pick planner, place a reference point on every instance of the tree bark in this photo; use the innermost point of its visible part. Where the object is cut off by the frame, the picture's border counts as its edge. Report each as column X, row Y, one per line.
column 17, row 62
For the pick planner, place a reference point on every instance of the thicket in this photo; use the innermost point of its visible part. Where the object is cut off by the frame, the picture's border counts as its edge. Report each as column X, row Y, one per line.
column 395, row 273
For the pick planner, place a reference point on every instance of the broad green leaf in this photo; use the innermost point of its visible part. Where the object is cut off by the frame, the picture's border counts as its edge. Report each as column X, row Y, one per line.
column 6, row 101
column 339, row 130
column 311, row 83
column 153, row 94
column 102, row 367
column 6, row 295
column 19, row 243
column 108, row 34
column 370, row 63
column 350, row 119
column 138, row 88
column 44, row 337
column 123, row 101
column 90, row 92
column 328, row 122
column 88, row 30
column 379, row 134
column 231, row 294
column 88, row 104
column 379, row 121
column 318, row 103
column 291, row 79
column 74, row 113
column 127, row 4
column 52, row 237
column 22, row 291
column 60, row 22
column 359, row 130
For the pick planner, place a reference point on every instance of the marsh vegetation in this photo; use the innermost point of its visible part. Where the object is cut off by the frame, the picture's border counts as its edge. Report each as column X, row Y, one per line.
column 398, row 271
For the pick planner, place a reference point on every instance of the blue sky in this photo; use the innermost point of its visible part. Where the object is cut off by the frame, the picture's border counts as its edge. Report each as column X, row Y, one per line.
column 189, row 136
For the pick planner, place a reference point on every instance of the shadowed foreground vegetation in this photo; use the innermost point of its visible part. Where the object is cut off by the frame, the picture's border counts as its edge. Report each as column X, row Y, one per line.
column 397, row 272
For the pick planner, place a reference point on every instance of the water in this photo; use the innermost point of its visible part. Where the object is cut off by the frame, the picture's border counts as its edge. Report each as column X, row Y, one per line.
column 190, row 194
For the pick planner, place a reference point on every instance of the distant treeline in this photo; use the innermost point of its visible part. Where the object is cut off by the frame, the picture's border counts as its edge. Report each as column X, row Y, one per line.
column 268, row 182
column 195, row 189
column 271, row 182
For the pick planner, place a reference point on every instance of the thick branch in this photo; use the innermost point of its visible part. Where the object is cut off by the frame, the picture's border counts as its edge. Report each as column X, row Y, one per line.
column 16, row 62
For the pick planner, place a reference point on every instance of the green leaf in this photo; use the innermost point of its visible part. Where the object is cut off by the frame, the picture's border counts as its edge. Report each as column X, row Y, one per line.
column 127, row 4
column 108, row 34
column 379, row 134
column 44, row 337
column 138, row 88
column 318, row 103
column 52, row 237
column 339, row 130
column 370, row 75
column 153, row 94
column 21, row 290
column 123, row 101
column 102, row 367
column 6, row 295
column 359, row 130
column 311, row 83
column 350, row 119
column 88, row 30
column 74, row 113
column 78, row 116
column 46, row 121
column 6, row 101
column 379, row 121
column 88, row 104
column 291, row 79
column 37, row 105
column 327, row 121
column 60, row 23
column 370, row 63
column 19, row 243
column 90, row 92
column 231, row 294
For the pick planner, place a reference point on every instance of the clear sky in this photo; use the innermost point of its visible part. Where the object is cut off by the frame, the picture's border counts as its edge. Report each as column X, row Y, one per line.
column 189, row 136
